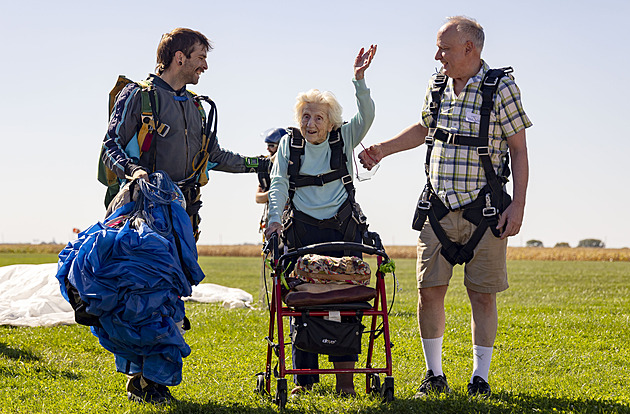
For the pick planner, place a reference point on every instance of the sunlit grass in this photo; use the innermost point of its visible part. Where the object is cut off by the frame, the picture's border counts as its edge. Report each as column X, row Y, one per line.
column 562, row 346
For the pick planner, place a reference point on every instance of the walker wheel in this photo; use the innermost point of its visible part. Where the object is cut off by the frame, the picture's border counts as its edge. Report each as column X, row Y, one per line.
column 281, row 393
column 260, row 384
column 387, row 392
column 375, row 384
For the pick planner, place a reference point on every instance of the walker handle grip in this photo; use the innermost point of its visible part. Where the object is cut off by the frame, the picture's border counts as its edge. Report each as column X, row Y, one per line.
column 271, row 246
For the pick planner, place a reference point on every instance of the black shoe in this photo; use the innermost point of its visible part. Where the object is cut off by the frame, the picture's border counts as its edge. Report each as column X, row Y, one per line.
column 432, row 384
column 479, row 386
column 140, row 389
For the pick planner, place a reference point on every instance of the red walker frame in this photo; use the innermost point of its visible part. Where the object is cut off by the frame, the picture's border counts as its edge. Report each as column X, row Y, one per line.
column 278, row 311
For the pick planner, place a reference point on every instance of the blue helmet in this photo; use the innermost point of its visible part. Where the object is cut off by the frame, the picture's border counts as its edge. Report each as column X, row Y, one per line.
column 273, row 135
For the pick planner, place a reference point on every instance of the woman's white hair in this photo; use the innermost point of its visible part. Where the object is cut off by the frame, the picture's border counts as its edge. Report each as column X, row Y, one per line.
column 468, row 29
column 315, row 96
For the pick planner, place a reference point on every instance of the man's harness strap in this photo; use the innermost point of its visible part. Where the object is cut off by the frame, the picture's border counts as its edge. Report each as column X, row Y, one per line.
column 191, row 185
column 492, row 200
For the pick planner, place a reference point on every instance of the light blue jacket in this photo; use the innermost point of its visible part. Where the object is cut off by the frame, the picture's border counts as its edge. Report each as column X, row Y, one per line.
column 320, row 202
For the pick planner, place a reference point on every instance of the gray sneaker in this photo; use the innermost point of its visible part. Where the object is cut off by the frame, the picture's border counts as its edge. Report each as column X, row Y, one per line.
column 432, row 384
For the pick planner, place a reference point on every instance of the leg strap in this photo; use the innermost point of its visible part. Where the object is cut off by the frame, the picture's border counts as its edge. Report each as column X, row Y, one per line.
column 457, row 253
column 192, row 195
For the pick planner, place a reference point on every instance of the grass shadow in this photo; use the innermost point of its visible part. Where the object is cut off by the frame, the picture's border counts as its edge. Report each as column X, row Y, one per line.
column 32, row 365
column 503, row 402
column 186, row 407
column 526, row 402
column 17, row 354
column 38, row 372
column 403, row 314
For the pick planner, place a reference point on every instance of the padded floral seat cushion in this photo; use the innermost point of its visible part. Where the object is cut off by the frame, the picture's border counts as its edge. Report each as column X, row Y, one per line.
column 314, row 268
column 330, row 280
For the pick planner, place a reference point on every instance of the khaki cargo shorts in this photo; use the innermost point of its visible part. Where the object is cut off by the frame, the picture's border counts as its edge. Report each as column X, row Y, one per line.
column 485, row 273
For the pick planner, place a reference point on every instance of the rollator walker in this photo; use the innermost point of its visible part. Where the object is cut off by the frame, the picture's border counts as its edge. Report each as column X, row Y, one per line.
column 279, row 310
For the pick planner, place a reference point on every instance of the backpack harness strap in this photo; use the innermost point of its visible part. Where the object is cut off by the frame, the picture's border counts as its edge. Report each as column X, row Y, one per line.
column 150, row 121
column 479, row 212
column 335, row 222
column 209, row 125
column 492, row 200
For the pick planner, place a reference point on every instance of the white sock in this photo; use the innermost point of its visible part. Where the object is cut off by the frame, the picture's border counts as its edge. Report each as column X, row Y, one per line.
column 482, row 356
column 433, row 354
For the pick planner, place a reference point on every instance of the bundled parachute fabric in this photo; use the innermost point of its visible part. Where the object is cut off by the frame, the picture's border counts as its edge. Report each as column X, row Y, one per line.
column 130, row 273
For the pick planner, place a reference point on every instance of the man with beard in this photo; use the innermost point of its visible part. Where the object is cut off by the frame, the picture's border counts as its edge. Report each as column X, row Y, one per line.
column 156, row 125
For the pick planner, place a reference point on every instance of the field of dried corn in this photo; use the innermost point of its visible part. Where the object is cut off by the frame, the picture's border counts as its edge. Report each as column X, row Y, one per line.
column 400, row 252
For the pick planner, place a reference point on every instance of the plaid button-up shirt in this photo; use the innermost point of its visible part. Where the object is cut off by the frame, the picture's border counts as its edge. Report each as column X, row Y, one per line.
column 455, row 171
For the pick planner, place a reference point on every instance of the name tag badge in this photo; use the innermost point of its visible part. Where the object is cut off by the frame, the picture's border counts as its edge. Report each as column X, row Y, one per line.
column 472, row 117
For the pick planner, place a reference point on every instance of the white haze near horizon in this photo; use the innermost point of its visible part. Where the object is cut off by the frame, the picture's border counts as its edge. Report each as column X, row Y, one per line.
column 63, row 57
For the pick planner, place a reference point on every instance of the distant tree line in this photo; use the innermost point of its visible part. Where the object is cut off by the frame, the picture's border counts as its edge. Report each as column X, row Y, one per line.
column 582, row 243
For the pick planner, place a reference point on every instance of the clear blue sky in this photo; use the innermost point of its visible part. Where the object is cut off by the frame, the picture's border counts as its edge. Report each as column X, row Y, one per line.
column 61, row 58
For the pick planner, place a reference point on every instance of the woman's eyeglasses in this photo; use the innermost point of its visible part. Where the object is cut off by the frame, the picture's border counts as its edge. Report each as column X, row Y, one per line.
column 367, row 174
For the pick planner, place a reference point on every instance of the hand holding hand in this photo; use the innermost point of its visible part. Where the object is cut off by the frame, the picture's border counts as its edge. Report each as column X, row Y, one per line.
column 370, row 156
column 362, row 61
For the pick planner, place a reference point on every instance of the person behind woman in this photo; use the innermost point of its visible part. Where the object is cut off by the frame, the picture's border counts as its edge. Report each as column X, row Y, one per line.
column 320, row 209
column 272, row 138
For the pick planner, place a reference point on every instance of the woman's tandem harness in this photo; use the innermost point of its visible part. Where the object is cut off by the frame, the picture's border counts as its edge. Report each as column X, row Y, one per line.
column 349, row 217
column 492, row 199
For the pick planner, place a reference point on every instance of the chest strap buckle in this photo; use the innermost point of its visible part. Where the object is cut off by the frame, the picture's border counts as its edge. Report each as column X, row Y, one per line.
column 483, row 150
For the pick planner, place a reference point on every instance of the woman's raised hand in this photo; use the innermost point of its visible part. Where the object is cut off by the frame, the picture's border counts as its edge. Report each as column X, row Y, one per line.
column 362, row 61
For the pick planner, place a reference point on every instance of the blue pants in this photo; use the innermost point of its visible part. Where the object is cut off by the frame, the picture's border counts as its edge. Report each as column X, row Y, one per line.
column 126, row 367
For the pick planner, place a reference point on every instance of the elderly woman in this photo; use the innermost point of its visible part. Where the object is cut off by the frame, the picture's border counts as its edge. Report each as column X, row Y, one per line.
column 313, row 171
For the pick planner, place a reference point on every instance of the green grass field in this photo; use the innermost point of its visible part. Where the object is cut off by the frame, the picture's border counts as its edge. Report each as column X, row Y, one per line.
column 562, row 346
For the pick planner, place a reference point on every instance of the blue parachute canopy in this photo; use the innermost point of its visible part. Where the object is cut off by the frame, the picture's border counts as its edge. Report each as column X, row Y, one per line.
column 131, row 271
